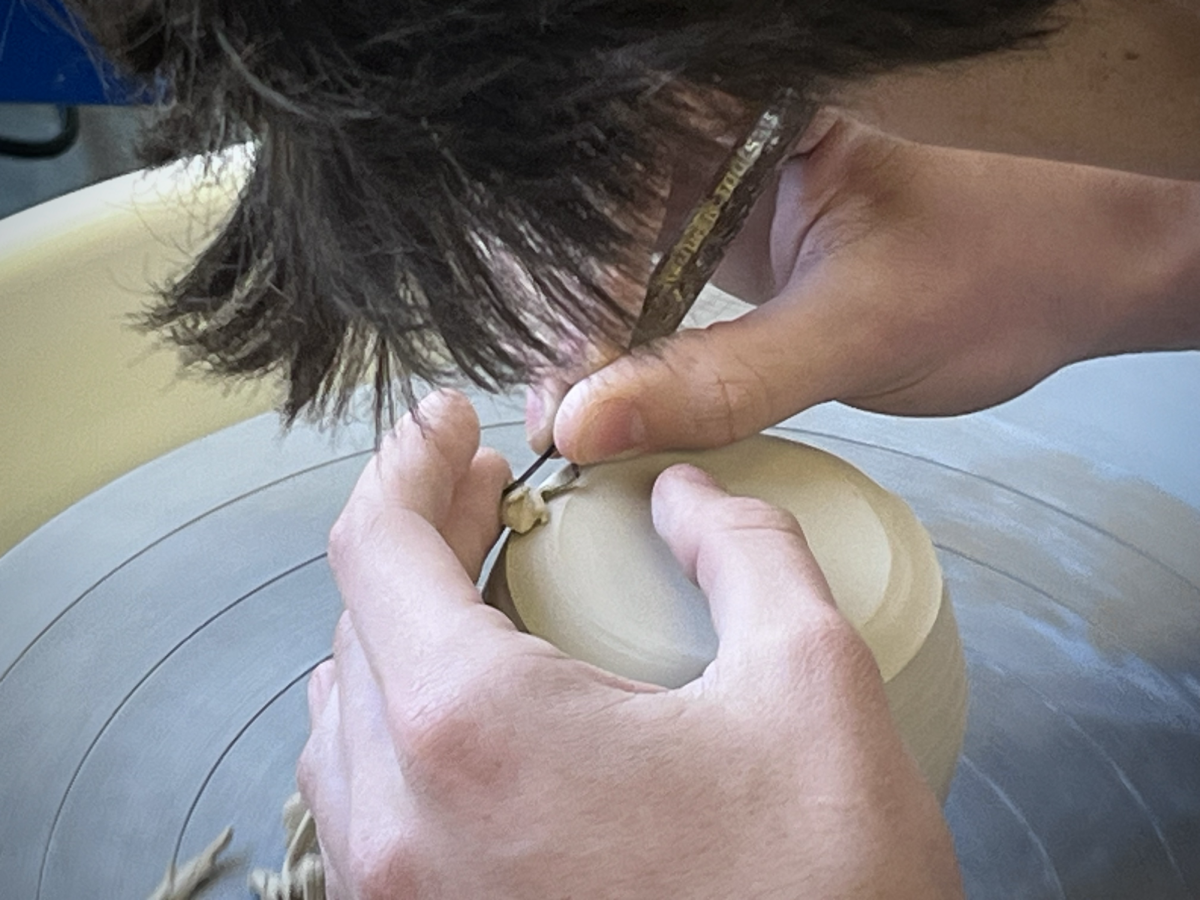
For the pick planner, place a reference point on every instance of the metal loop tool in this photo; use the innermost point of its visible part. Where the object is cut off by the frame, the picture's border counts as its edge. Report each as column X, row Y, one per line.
column 684, row 270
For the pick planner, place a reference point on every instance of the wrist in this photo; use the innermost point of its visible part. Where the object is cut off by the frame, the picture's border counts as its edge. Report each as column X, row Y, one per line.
column 1156, row 301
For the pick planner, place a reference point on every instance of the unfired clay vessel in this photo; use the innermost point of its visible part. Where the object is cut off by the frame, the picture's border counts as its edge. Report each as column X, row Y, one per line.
column 598, row 582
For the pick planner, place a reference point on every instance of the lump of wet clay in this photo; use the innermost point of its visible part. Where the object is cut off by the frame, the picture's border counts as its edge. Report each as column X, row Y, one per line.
column 595, row 580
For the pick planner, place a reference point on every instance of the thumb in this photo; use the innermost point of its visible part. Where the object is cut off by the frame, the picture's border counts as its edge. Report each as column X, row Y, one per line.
column 749, row 558
column 708, row 387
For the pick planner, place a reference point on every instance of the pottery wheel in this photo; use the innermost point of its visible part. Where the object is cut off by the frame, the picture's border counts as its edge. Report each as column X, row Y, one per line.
column 155, row 642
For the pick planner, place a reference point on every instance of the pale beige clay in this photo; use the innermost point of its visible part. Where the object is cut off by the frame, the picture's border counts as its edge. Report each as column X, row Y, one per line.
column 301, row 877
column 598, row 582
column 523, row 509
column 182, row 882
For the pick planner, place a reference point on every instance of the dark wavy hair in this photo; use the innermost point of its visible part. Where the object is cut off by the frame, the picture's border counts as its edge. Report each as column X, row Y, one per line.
column 446, row 187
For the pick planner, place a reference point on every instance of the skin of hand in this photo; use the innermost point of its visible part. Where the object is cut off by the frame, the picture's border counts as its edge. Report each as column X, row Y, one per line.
column 453, row 756
column 907, row 279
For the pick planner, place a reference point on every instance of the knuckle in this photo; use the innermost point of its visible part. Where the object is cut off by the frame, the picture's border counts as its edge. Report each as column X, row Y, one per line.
column 337, row 548
column 737, row 408
column 381, row 867
column 493, row 468
column 454, row 740
column 306, row 773
column 740, row 398
column 750, row 514
column 492, row 460
column 351, row 537
column 829, row 649
column 343, row 634
column 749, row 528
column 318, row 688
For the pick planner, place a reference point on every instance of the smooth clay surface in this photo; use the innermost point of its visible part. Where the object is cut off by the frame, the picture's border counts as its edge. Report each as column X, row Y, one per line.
column 87, row 396
column 599, row 583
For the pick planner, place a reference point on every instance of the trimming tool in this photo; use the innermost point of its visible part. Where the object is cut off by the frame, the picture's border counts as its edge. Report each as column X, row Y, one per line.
column 687, row 267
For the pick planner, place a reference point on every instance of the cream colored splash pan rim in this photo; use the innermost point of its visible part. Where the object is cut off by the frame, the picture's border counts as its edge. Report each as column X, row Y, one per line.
column 87, row 397
column 204, row 188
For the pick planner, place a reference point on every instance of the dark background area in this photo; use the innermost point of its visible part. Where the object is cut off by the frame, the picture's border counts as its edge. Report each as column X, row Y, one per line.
column 65, row 119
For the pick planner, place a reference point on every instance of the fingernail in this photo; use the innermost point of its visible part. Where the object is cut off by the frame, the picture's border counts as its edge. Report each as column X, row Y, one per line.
column 435, row 403
column 616, row 427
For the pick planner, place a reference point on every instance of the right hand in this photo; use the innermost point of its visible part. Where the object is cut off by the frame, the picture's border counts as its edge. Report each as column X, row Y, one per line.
column 906, row 279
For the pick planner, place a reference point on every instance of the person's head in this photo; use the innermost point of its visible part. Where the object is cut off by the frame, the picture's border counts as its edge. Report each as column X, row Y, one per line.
column 447, row 185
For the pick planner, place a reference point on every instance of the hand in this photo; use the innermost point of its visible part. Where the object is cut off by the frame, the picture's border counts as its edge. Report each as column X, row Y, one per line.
column 452, row 756
column 913, row 280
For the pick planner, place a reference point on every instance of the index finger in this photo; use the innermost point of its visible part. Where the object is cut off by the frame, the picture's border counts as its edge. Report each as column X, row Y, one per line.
column 408, row 594
column 419, row 461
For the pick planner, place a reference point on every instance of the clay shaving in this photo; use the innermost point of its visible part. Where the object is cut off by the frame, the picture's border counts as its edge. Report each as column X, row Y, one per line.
column 302, row 876
column 524, row 509
column 182, row 882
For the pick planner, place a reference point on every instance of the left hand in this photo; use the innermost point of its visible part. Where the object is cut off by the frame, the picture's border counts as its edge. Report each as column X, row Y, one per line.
column 452, row 756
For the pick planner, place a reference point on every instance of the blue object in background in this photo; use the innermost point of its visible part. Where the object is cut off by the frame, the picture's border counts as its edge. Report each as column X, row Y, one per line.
column 42, row 61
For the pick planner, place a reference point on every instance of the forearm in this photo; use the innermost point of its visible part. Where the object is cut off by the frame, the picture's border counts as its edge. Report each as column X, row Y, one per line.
column 1156, row 305
column 1101, row 262
column 1118, row 86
